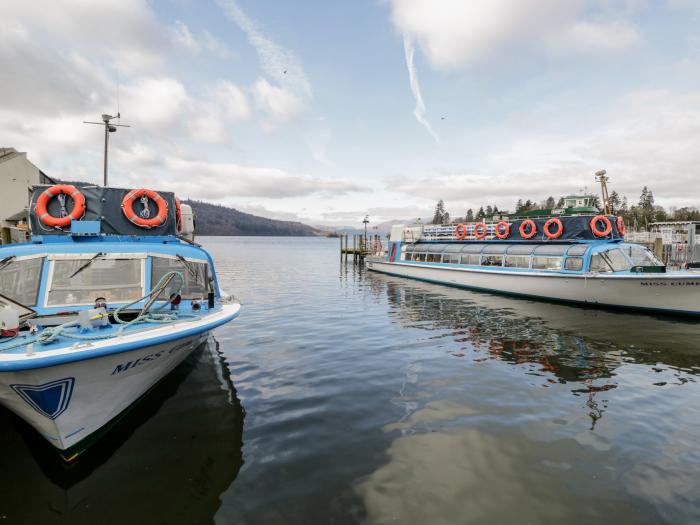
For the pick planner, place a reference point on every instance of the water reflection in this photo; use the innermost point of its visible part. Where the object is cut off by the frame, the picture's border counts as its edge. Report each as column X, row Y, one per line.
column 544, row 413
column 170, row 457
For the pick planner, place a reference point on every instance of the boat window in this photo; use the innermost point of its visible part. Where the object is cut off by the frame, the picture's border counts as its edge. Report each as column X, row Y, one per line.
column 19, row 280
column 421, row 248
column 492, row 260
column 431, row 257
column 451, row 258
column 436, row 247
column 517, row 261
column 407, row 257
column 117, row 280
column 577, row 249
column 640, row 256
column 409, row 248
column 473, row 248
column 521, row 249
column 617, row 260
column 550, row 249
column 599, row 264
column 419, row 257
column 495, row 248
column 546, row 263
column 470, row 258
column 195, row 274
column 450, row 248
column 574, row 263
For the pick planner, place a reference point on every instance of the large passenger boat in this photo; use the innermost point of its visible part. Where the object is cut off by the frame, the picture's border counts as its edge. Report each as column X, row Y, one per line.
column 109, row 296
column 576, row 259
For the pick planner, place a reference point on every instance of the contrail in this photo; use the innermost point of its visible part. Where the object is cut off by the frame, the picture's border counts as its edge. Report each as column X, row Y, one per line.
column 279, row 63
column 419, row 110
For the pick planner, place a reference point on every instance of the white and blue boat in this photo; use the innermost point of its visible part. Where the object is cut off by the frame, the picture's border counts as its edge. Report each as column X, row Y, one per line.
column 108, row 297
column 581, row 259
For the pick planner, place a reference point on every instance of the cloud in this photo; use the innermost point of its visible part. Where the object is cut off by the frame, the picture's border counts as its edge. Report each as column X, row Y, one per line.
column 277, row 102
column 419, row 110
column 183, row 38
column 454, row 34
column 653, row 139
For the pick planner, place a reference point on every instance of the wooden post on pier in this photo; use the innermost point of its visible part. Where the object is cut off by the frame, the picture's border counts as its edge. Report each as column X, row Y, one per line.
column 354, row 250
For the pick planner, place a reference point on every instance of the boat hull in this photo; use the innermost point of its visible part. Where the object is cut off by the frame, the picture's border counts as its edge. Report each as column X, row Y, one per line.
column 672, row 294
column 69, row 396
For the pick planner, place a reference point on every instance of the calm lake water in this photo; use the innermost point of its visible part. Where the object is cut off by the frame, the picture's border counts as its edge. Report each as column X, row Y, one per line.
column 342, row 396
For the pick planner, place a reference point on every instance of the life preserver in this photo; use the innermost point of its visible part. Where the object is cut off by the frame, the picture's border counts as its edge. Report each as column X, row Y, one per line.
column 506, row 231
column 480, row 230
column 461, row 231
column 145, row 222
column 533, row 229
column 621, row 226
column 76, row 213
column 594, row 226
column 178, row 215
column 560, row 228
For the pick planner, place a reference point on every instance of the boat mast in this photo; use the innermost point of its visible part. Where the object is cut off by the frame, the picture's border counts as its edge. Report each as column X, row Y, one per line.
column 600, row 176
column 109, row 128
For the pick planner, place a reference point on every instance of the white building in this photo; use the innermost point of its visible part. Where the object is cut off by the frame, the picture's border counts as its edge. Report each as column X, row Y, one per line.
column 17, row 176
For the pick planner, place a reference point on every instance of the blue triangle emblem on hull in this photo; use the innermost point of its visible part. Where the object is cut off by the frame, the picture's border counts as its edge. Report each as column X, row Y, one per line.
column 50, row 399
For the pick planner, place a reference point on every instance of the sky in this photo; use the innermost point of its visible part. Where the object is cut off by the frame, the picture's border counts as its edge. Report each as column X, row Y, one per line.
column 325, row 110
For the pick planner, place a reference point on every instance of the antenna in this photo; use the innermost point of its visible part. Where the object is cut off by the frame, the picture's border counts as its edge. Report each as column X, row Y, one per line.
column 109, row 128
column 600, row 176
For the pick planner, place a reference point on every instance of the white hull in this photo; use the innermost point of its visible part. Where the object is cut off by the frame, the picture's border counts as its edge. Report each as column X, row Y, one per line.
column 68, row 402
column 672, row 293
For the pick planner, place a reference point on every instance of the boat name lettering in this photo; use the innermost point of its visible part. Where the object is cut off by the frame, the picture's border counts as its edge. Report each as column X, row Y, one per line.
column 123, row 367
column 669, row 283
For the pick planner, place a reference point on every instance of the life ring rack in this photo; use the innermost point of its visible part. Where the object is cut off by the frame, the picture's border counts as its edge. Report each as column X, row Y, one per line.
column 145, row 222
column 597, row 231
column 69, row 190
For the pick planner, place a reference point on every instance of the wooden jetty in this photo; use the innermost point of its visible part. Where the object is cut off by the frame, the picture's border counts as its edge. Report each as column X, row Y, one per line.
column 361, row 247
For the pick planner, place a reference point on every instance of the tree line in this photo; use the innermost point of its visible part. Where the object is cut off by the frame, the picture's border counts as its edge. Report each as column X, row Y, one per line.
column 639, row 215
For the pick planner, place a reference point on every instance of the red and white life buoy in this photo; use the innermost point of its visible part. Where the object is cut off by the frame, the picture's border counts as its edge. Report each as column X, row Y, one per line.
column 461, row 231
column 480, row 230
column 76, row 213
column 553, row 234
column 597, row 231
column 145, row 222
column 502, row 230
column 532, row 229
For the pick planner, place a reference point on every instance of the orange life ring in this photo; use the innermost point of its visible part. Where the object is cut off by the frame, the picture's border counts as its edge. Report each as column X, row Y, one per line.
column 143, row 222
column 76, row 213
column 461, row 232
column 480, row 230
column 560, row 228
column 506, row 231
column 533, row 229
column 594, row 226
column 178, row 215
column 621, row 226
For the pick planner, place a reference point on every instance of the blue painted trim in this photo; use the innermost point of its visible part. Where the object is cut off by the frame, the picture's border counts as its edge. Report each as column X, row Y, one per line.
column 44, row 362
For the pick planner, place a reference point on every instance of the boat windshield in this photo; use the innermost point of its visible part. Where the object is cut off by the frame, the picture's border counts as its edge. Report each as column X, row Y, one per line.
column 610, row 261
column 117, row 279
column 640, row 256
column 20, row 279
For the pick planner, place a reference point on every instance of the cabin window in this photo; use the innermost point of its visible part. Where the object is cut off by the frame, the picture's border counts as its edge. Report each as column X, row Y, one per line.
column 20, row 279
column 577, row 249
column 492, row 260
column 574, row 263
column 117, row 280
column 546, row 263
column 194, row 273
column 419, row 257
column 550, row 249
column 408, row 256
column 599, row 264
column 470, row 258
column 641, row 256
column 618, row 261
column 517, row 261
column 521, row 249
column 451, row 258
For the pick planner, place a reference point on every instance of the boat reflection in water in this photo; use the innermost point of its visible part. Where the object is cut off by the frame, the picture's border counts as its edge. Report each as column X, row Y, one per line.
column 169, row 457
column 542, row 413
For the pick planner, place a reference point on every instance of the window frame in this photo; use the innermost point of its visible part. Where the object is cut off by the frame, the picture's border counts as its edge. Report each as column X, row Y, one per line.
column 42, row 268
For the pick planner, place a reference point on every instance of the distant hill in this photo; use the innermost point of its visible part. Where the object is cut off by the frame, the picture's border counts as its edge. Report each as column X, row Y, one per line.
column 213, row 219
